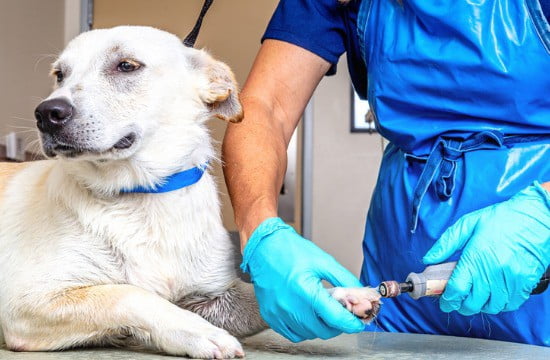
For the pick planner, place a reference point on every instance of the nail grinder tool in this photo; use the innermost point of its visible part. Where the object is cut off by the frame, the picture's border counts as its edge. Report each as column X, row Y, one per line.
column 432, row 282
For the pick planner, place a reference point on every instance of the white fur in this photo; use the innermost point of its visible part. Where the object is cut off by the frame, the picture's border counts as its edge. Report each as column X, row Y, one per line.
column 79, row 260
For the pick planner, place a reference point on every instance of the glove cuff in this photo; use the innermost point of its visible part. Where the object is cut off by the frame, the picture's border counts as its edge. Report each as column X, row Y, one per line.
column 266, row 228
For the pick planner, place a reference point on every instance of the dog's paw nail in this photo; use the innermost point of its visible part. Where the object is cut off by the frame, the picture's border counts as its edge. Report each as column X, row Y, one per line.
column 239, row 353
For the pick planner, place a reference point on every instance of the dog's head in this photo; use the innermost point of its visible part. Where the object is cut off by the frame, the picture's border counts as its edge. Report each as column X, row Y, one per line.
column 120, row 90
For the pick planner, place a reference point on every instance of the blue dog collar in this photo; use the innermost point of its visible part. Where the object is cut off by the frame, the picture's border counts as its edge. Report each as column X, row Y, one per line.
column 173, row 182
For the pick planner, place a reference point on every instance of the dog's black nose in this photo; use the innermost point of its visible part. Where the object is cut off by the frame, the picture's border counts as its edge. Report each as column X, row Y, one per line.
column 52, row 115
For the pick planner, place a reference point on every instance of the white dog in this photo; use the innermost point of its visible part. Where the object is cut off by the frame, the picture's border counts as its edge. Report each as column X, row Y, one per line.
column 84, row 260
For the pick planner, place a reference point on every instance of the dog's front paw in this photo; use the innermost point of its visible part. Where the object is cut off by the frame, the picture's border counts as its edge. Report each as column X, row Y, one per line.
column 363, row 302
column 204, row 342
column 217, row 344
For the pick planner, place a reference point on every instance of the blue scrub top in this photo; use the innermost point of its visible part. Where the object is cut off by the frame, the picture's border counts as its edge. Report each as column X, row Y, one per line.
column 324, row 27
column 464, row 103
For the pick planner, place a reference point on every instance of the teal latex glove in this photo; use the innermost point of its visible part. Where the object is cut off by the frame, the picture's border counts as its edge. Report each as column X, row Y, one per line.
column 287, row 270
column 506, row 249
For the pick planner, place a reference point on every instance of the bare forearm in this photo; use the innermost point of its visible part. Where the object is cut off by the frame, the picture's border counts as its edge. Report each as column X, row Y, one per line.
column 254, row 151
column 546, row 185
column 254, row 157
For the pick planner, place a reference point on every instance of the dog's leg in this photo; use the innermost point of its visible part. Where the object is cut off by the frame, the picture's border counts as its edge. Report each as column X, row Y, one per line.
column 234, row 310
column 99, row 314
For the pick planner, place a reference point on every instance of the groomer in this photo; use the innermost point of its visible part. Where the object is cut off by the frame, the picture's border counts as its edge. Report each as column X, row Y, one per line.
column 461, row 90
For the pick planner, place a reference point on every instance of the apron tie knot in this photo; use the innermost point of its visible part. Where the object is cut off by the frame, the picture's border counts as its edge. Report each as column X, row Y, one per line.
column 441, row 164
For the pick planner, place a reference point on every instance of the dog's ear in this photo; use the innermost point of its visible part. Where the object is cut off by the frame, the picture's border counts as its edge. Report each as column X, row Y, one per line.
column 221, row 92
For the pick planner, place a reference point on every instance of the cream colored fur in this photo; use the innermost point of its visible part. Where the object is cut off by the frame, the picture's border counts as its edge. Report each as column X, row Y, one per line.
column 82, row 263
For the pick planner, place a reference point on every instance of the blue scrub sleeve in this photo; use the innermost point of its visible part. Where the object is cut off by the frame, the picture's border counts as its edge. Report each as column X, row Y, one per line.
column 315, row 25
column 545, row 5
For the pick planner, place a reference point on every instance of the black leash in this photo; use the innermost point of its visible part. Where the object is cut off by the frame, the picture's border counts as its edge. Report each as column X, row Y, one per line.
column 192, row 37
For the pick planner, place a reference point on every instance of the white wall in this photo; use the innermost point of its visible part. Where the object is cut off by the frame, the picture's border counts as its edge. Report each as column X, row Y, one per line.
column 32, row 33
column 72, row 19
column 345, row 168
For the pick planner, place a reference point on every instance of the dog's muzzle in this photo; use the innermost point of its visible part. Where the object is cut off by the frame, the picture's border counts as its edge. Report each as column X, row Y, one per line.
column 52, row 115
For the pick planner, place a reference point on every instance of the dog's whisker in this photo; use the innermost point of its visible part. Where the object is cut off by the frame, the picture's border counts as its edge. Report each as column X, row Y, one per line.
column 22, row 127
column 41, row 58
column 35, row 142
column 39, row 98
column 22, row 130
column 34, row 149
column 31, row 145
column 22, row 118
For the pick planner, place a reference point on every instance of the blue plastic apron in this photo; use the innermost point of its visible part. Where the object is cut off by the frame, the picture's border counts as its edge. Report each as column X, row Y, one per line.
column 461, row 89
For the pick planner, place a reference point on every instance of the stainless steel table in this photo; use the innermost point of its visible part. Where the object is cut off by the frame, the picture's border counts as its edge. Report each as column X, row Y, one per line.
column 268, row 345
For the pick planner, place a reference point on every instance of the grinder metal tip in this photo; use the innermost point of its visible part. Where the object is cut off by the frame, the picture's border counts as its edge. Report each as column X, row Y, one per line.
column 389, row 289
column 393, row 288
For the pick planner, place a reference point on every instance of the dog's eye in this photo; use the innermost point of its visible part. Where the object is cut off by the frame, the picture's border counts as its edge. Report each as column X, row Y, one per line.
column 58, row 75
column 128, row 66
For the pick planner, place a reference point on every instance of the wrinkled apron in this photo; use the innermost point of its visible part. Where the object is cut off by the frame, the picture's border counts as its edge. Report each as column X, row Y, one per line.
column 462, row 92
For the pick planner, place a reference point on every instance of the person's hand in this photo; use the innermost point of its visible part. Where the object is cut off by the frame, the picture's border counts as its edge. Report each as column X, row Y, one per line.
column 505, row 251
column 287, row 270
